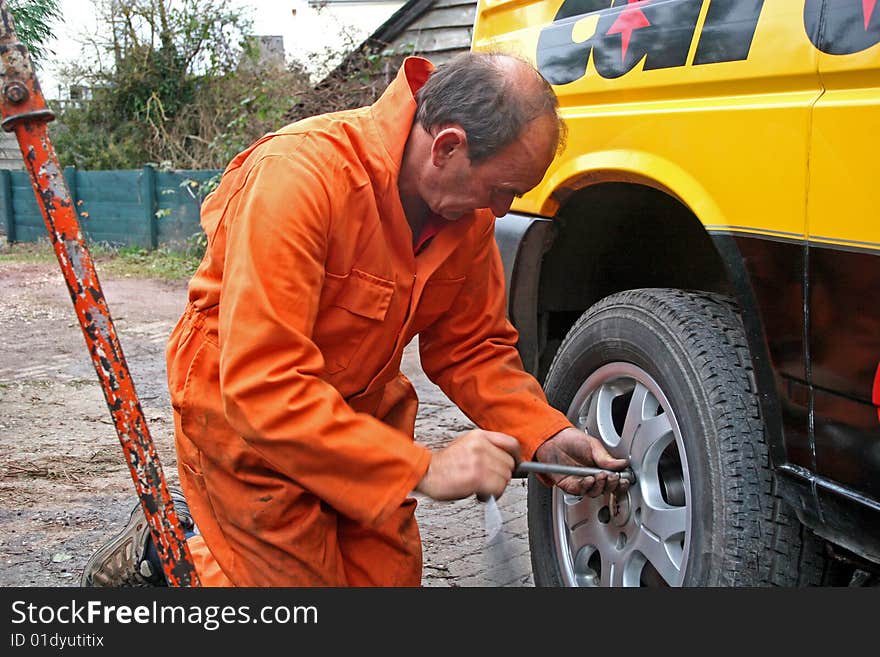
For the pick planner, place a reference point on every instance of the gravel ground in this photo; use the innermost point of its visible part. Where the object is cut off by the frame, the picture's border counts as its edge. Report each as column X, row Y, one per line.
column 64, row 488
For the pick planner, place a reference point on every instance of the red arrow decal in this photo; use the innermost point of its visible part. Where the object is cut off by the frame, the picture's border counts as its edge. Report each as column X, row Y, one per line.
column 868, row 10
column 630, row 19
column 875, row 397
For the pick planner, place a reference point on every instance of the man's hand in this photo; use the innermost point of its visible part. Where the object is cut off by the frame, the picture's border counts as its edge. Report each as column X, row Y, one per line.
column 574, row 447
column 478, row 462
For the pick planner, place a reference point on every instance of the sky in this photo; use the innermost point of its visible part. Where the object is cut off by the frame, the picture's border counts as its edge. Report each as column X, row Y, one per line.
column 304, row 29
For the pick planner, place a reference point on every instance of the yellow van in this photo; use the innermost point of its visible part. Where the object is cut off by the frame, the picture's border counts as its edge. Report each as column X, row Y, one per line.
column 696, row 282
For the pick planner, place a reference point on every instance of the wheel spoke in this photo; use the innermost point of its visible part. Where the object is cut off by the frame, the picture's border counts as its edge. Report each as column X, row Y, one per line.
column 587, row 418
column 655, row 552
column 589, row 531
column 665, row 522
column 581, row 535
column 578, row 511
column 613, row 569
column 636, row 414
column 651, row 430
column 604, row 401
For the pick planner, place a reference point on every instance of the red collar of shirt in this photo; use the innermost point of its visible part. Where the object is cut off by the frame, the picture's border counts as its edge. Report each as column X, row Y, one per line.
column 431, row 227
column 393, row 114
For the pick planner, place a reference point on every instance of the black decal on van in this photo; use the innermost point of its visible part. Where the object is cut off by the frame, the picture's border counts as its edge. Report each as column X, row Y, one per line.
column 728, row 31
column 581, row 8
column 847, row 26
column 659, row 32
column 560, row 59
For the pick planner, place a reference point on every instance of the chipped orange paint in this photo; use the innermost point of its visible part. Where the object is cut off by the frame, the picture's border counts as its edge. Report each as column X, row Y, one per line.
column 25, row 112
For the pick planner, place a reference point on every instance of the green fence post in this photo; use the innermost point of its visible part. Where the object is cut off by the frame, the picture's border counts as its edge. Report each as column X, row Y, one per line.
column 151, row 204
column 6, row 199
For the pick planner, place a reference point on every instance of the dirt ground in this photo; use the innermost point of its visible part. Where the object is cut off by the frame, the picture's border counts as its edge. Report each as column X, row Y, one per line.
column 64, row 487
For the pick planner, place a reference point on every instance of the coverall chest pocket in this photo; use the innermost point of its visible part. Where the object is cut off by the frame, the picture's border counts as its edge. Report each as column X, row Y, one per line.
column 352, row 306
column 436, row 299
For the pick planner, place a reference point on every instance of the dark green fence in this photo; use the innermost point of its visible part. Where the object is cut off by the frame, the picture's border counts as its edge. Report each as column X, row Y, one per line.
column 142, row 207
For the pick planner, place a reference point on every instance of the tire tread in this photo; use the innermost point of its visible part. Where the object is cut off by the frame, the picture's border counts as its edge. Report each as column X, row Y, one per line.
column 763, row 541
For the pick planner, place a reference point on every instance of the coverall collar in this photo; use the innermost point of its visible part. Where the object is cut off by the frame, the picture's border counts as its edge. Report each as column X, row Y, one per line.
column 392, row 117
column 395, row 110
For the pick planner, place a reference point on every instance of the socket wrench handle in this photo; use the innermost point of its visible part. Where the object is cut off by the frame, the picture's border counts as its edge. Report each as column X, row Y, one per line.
column 524, row 468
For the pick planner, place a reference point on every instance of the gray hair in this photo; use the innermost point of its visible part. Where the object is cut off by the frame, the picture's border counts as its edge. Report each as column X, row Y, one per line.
column 490, row 100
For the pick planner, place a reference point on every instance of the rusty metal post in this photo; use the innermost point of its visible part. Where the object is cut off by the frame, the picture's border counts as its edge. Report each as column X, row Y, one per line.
column 25, row 112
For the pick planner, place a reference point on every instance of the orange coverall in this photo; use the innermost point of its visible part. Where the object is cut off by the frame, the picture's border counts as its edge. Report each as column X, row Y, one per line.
column 293, row 423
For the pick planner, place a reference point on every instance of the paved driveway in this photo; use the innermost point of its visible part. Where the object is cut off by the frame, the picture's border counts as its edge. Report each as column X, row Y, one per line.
column 64, row 487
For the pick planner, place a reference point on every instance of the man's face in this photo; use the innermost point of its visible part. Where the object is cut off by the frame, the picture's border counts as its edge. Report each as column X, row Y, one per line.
column 461, row 187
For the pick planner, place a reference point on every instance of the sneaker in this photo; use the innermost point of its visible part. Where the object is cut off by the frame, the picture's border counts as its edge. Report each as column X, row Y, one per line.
column 125, row 559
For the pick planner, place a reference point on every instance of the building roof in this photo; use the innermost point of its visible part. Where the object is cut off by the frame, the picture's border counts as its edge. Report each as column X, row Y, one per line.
column 437, row 29
column 388, row 31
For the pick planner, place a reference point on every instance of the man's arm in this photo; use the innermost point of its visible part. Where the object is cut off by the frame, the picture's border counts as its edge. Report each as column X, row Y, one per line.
column 470, row 353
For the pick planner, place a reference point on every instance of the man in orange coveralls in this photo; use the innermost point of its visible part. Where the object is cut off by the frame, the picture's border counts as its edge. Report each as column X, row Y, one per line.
column 331, row 244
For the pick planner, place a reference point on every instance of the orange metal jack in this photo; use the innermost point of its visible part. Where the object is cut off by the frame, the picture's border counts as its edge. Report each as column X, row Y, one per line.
column 25, row 112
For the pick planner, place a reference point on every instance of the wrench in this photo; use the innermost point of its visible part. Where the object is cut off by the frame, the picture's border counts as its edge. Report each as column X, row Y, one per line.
column 525, row 467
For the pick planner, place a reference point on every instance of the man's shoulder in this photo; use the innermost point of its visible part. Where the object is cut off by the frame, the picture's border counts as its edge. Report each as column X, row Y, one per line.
column 327, row 125
column 339, row 137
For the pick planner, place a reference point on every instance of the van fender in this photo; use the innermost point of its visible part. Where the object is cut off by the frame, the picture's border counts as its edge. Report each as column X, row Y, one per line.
column 522, row 241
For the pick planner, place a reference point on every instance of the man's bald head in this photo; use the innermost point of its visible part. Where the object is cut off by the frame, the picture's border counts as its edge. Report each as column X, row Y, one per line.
column 492, row 96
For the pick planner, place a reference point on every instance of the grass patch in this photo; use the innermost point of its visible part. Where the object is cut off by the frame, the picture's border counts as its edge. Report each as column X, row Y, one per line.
column 26, row 252
column 135, row 262
column 128, row 261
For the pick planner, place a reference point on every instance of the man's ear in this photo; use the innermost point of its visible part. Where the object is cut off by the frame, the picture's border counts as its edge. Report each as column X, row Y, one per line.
column 447, row 143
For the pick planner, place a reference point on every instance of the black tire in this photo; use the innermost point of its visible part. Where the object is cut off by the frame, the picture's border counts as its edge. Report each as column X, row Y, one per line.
column 703, row 511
